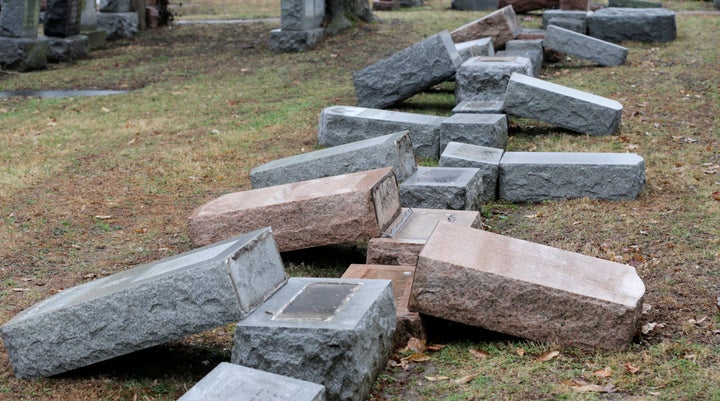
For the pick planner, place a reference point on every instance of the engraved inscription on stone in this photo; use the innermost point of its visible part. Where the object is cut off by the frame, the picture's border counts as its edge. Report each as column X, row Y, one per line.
column 318, row 301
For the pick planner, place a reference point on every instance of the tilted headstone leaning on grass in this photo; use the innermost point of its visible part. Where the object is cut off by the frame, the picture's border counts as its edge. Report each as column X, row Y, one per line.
column 583, row 46
column 636, row 24
column 501, row 25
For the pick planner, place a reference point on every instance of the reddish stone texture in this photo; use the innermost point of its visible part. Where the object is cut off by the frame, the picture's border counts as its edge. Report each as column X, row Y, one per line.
column 526, row 289
column 386, row 5
column 523, row 6
column 501, row 25
column 581, row 5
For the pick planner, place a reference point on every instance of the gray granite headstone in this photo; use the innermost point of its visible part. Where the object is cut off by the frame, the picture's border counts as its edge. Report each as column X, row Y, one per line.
column 19, row 18
column 583, row 46
column 486, row 159
column 569, row 23
column 334, row 332
column 634, row 4
column 301, row 15
column 23, row 54
column 475, row 5
column 118, row 25
column 144, row 306
column 580, row 16
column 486, row 78
column 282, row 41
column 636, row 24
column 454, row 188
column 475, row 48
column 62, row 18
column 477, row 129
column 67, row 49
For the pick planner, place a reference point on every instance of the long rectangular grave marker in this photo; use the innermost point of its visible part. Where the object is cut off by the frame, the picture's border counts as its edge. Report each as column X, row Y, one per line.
column 145, row 306
column 638, row 24
column 477, row 129
column 528, row 290
column 331, row 210
column 454, row 188
column 501, row 25
column 19, row 18
column 576, row 44
column 475, row 48
column 344, row 351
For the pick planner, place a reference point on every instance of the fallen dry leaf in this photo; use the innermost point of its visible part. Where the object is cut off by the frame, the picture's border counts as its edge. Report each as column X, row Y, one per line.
column 607, row 372
column 585, row 387
column 648, row 327
column 436, row 378
column 520, row 351
column 417, row 357
column 415, row 345
column 479, row 354
column 435, row 347
column 465, row 379
column 716, row 195
column 632, row 369
column 547, row 356
column 105, row 110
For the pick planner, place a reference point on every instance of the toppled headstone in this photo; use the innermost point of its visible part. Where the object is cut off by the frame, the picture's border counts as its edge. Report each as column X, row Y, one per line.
column 145, row 306
column 523, row 6
column 501, row 25
column 71, row 48
column 634, row 4
column 475, row 48
column 229, row 381
column 409, row 324
column 486, row 78
column 452, row 188
column 62, row 18
column 118, row 25
column 480, row 107
column 562, row 106
column 393, row 150
column 580, row 16
column 23, row 54
column 19, row 18
column 325, row 211
column 636, row 24
column 407, row 72
column 486, row 159
column 344, row 124
column 531, row 49
column 403, row 240
column 334, row 332
column 576, row 44
column 526, row 289
column 475, row 5
column 538, row 176
column 477, row 129
column 300, row 25
column 569, row 23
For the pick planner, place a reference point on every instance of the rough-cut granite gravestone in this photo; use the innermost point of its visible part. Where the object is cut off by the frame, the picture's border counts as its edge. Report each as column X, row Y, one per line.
column 486, row 78
column 633, row 4
column 344, row 124
column 452, row 188
column 23, row 54
column 88, row 25
column 526, row 289
column 486, row 159
column 531, row 49
column 114, row 6
column 231, row 382
column 144, row 306
column 523, row 6
column 566, row 14
column 475, row 5
column 118, row 25
column 331, row 210
column 636, row 24
column 393, row 150
column 475, row 48
column 538, row 176
column 407, row 72
column 301, row 15
column 478, row 129
column 62, row 18
column 501, row 25
column 19, row 18
column 480, row 107
column 576, row 44
column 565, row 107
column 334, row 332
column 404, row 239
column 67, row 49
column 569, row 23
column 294, row 41
column 409, row 324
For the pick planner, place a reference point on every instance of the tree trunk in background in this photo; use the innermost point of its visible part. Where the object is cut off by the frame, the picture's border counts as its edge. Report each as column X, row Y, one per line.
column 344, row 13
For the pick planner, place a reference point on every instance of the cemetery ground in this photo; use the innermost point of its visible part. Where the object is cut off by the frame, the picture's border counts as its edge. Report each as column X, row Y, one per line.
column 93, row 186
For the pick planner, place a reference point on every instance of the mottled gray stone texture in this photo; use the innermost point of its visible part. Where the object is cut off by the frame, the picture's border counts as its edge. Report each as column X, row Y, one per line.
column 477, row 129
column 19, row 18
column 294, row 41
column 118, row 25
column 569, row 23
column 407, row 72
column 453, row 188
column 301, row 15
column 633, row 4
column 345, row 353
column 531, row 49
column 538, row 176
column 114, row 6
column 486, row 78
column 636, row 24
column 67, row 49
column 483, row 158
column 565, row 107
column 62, row 18
column 231, row 382
column 548, row 15
column 23, row 54
column 475, row 5
column 501, row 25
column 344, row 124
column 393, row 150
column 475, row 48
column 145, row 306
column 480, row 107
column 583, row 46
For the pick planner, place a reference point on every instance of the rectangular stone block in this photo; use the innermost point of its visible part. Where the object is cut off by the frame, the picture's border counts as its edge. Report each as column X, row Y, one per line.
column 393, row 150
column 331, row 210
column 407, row 72
column 480, row 107
column 23, row 54
column 567, row 14
column 538, row 176
column 283, row 41
column 475, row 5
column 583, row 46
column 634, row 4
column 486, row 159
column 525, row 289
column 501, row 25
column 486, row 78
column 452, row 188
column 62, row 50
column 583, row 5
column 477, row 129
column 401, row 243
column 229, row 381
column 344, row 124
column 531, row 49
column 301, row 15
column 62, row 18
column 118, row 25
column 334, row 332
column 19, row 18
column 475, row 48
column 144, row 306
column 409, row 324
column 564, row 107
column 636, row 24
column 523, row 6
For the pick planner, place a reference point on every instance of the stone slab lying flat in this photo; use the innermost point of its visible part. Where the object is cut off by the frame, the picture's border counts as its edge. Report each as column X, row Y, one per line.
column 409, row 323
column 475, row 48
column 480, row 107
column 486, row 78
column 531, row 49
column 62, row 18
column 144, row 306
column 565, row 107
column 475, row 5
column 501, row 25
column 486, row 159
column 344, row 124
column 478, row 129
column 634, row 4
column 407, row 72
column 403, row 240
column 538, row 176
column 231, row 382
column 570, row 24
column 576, row 44
column 452, row 188
column 636, row 24
column 306, row 214
column 301, row 15
column 334, row 332
column 392, row 150
column 23, row 54
column 526, row 289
